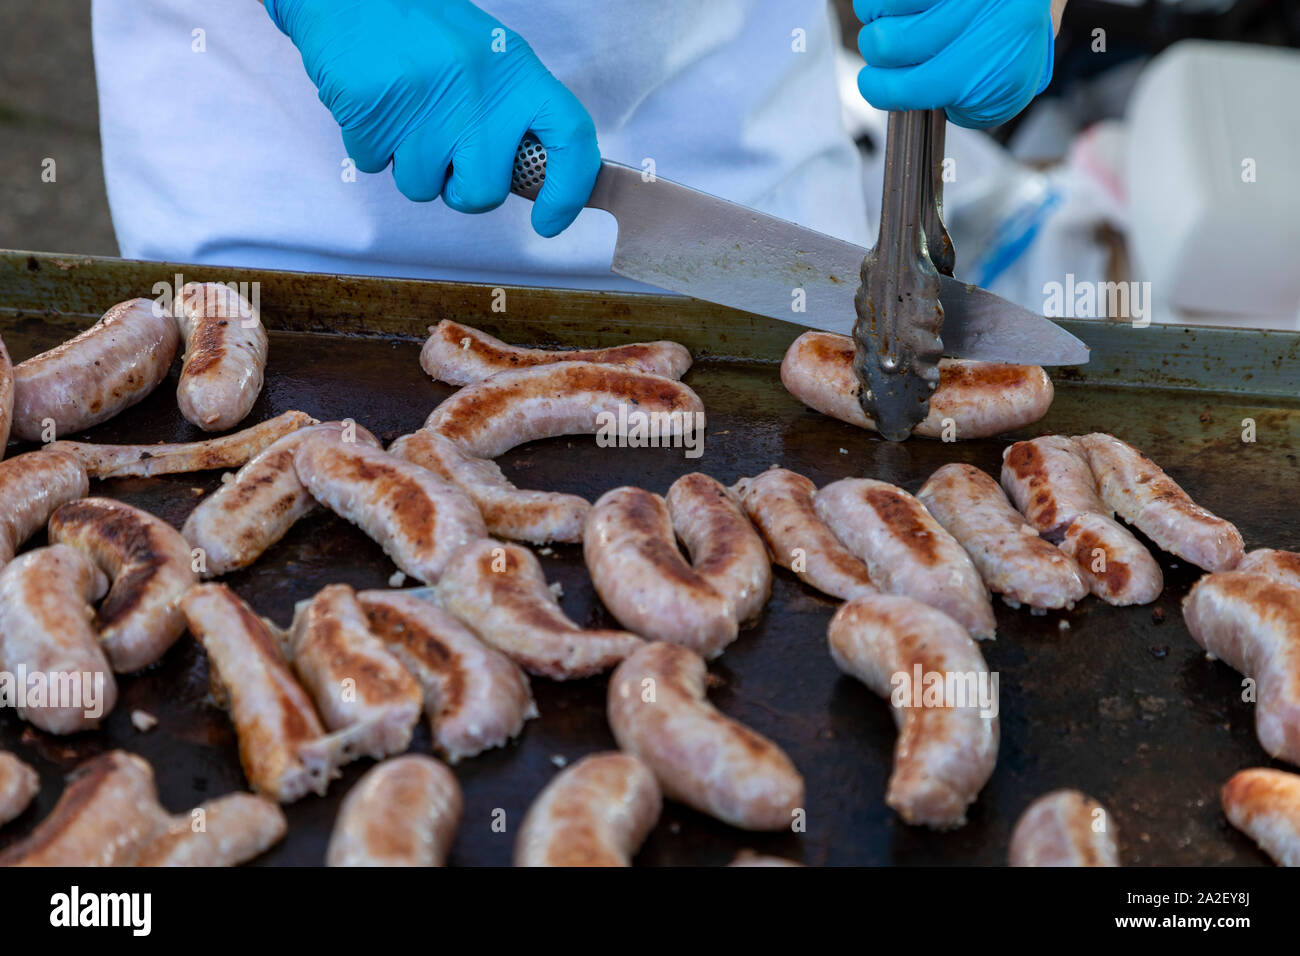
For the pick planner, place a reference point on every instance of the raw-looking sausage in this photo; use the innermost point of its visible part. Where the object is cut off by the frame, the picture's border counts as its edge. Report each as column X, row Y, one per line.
column 725, row 549
column 244, row 517
column 416, row 517
column 947, row 747
column 1139, row 491
column 568, row 398
column 89, row 379
column 1264, row 804
column 357, row 685
column 105, row 814
column 31, row 487
column 597, row 812
column 475, row 697
column 631, row 553
column 227, row 831
column 979, row 398
column 500, row 591
column 149, row 564
column 780, row 504
column 658, row 711
column 46, row 599
column 225, row 355
column 229, row 451
column 906, row 550
column 460, row 355
column 19, row 785
column 1251, row 623
column 1116, row 566
column 283, row 746
column 1064, row 828
column 1008, row 553
column 403, row 812
column 509, row 512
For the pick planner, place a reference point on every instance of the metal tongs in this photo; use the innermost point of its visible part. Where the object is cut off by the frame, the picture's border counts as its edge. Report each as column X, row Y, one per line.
column 900, row 317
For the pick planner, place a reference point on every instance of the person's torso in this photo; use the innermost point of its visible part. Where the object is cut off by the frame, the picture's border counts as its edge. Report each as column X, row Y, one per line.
column 217, row 149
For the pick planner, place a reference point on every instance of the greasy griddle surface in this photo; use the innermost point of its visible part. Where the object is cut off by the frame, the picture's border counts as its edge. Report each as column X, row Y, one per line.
column 1118, row 705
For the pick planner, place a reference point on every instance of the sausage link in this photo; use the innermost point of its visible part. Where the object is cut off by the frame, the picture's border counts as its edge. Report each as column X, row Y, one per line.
column 500, row 591
column 225, row 355
column 980, row 398
column 906, row 550
column 1264, row 804
column 1115, row 565
column 780, row 504
column 403, row 812
column 568, row 398
column 537, row 517
column 460, row 355
column 658, row 711
column 945, row 753
column 89, row 379
column 725, row 549
column 1008, row 553
column 631, row 552
column 19, row 785
column 6, row 396
column 1051, row 483
column 1064, row 828
column 227, row 831
column 597, row 812
column 1280, row 566
column 31, row 487
column 149, row 564
column 475, row 698
column 46, row 598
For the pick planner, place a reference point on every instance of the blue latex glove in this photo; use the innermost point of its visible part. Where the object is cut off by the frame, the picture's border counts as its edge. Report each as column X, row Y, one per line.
column 419, row 82
column 982, row 60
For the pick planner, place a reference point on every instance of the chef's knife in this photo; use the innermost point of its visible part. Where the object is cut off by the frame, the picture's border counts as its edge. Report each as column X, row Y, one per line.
column 686, row 241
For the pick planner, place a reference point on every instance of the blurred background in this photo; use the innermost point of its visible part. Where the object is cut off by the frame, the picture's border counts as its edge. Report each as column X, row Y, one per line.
column 1164, row 151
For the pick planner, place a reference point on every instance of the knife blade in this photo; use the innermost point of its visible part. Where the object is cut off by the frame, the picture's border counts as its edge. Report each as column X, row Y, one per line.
column 687, row 241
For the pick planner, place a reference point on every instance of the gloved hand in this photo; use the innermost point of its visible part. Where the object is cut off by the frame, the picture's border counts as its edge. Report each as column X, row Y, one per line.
column 425, row 83
column 982, row 60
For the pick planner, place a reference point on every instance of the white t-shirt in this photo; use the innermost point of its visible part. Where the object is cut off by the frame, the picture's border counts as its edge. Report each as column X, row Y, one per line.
column 218, row 151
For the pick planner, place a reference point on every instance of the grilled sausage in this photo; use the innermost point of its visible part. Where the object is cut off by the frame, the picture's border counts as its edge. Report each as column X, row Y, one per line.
column 597, row 812
column 1140, row 492
column 19, row 785
column 227, row 831
column 460, row 355
column 725, row 549
column 1265, row 805
column 106, row 813
column 500, row 591
column 780, row 504
column 148, row 563
column 1064, row 828
column 229, row 451
column 946, row 753
column 244, row 517
column 283, row 747
column 1114, row 564
column 658, row 711
column 225, row 355
column 356, row 683
column 509, row 512
column 474, row 697
column 1280, row 566
column 89, row 379
column 906, row 550
column 45, row 627
column 1251, row 623
column 980, row 398
column 31, row 487
column 631, row 552
column 567, row 398
column 1008, row 553
column 403, row 812
column 6, row 396
column 416, row 517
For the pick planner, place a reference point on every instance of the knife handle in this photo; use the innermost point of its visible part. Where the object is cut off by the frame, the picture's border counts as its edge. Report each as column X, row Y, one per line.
column 530, row 167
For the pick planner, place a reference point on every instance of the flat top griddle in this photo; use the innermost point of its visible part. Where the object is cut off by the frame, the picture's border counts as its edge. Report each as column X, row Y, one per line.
column 1112, row 701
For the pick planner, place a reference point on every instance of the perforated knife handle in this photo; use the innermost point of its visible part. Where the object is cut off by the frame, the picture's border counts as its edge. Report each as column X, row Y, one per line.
column 530, row 167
